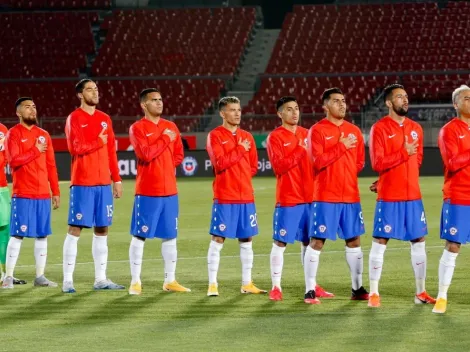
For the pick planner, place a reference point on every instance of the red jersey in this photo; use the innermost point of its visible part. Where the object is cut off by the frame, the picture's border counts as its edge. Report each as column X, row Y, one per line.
column 292, row 166
column 454, row 144
column 335, row 166
column 398, row 172
column 3, row 159
column 93, row 163
column 157, row 157
column 34, row 173
column 233, row 166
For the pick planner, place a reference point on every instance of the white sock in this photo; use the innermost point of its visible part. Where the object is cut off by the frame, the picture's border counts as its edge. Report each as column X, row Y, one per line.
column 99, row 249
column 246, row 257
column 446, row 271
column 69, row 256
column 213, row 260
column 40, row 254
column 418, row 261
column 355, row 260
column 136, row 253
column 170, row 255
column 277, row 262
column 311, row 262
column 302, row 252
column 13, row 251
column 376, row 261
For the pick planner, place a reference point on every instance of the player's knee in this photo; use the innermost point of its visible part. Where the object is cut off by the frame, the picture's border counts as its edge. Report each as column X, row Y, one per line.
column 280, row 244
column 218, row 239
column 74, row 231
column 452, row 247
column 354, row 242
column 245, row 240
column 101, row 231
column 317, row 243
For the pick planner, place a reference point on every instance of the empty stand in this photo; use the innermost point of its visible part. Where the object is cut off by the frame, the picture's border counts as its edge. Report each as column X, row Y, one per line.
column 54, row 4
column 179, row 42
column 372, row 38
column 52, row 44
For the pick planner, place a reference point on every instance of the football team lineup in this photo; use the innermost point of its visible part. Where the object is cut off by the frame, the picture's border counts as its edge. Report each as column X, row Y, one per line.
column 317, row 192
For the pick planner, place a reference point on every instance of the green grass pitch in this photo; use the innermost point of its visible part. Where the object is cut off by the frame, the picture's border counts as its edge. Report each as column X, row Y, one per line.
column 45, row 319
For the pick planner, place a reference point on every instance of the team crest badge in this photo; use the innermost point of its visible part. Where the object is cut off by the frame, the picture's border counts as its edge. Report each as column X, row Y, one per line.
column 42, row 139
column 145, row 229
column 2, row 134
column 23, row 228
column 352, row 136
column 322, row 228
column 282, row 232
column 414, row 135
column 189, row 166
column 387, row 228
column 104, row 125
column 222, row 227
column 79, row 216
column 453, row 231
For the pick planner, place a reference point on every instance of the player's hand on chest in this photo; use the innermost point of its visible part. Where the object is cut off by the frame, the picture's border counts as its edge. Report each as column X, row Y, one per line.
column 348, row 137
column 93, row 127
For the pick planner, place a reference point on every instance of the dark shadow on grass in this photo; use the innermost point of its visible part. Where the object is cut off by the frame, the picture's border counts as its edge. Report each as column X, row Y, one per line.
column 45, row 308
column 122, row 307
column 209, row 307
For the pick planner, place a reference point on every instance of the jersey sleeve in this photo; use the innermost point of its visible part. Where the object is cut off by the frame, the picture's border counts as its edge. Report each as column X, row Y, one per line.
column 52, row 168
column 253, row 153
column 178, row 151
column 219, row 159
column 361, row 153
column 3, row 159
column 280, row 163
column 320, row 157
column 15, row 158
column 380, row 161
column 449, row 147
column 142, row 149
column 112, row 154
column 420, row 146
column 76, row 142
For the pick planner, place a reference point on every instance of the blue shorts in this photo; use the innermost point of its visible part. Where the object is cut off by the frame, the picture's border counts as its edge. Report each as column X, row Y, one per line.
column 344, row 219
column 405, row 221
column 292, row 223
column 91, row 206
column 234, row 220
column 155, row 217
column 30, row 217
column 455, row 224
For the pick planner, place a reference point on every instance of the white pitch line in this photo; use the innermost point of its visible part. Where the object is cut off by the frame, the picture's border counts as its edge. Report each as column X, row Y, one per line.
column 226, row 256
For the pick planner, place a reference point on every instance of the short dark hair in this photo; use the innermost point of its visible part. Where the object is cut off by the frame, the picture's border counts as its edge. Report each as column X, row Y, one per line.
column 327, row 93
column 20, row 100
column 285, row 100
column 388, row 91
column 228, row 100
column 81, row 85
column 145, row 92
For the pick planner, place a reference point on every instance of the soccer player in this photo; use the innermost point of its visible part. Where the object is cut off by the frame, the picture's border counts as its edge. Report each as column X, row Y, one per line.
column 454, row 144
column 234, row 158
column 91, row 142
column 5, row 203
column 287, row 151
column 31, row 158
column 396, row 153
column 337, row 150
column 159, row 149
